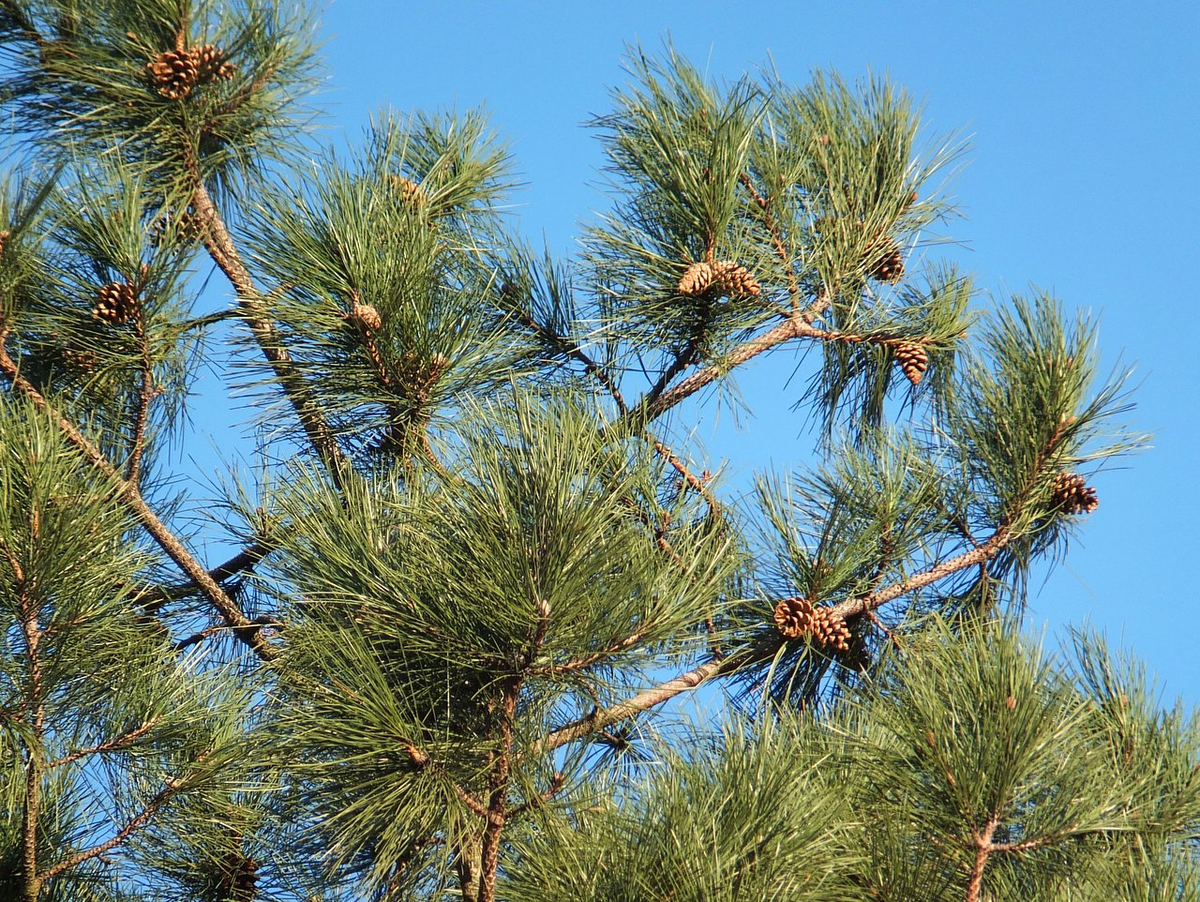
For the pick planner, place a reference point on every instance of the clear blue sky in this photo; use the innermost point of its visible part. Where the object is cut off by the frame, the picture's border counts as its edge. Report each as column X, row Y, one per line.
column 1084, row 121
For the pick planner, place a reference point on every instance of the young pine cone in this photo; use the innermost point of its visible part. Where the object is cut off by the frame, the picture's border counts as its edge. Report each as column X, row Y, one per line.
column 411, row 193
column 366, row 316
column 1072, row 495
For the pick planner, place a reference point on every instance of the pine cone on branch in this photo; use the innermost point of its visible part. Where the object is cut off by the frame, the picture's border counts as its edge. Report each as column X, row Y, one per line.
column 696, row 279
column 238, row 881
column 793, row 617
column 175, row 73
column 366, row 316
column 724, row 277
column 1072, row 495
column 888, row 263
column 913, row 360
column 116, row 303
column 212, row 64
column 411, row 192
column 830, row 630
column 734, row 280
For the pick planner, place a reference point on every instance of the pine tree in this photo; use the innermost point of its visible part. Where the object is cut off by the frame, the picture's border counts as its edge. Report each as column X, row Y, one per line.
column 482, row 563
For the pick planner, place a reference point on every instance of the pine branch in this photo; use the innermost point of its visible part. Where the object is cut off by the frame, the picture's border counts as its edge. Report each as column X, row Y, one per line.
column 978, row 555
column 652, row 408
column 146, row 393
column 573, row 350
column 557, row 782
column 131, row 826
column 498, row 781
column 772, row 228
column 765, row 648
column 111, row 745
column 153, row 598
column 221, row 247
column 245, row 629
column 424, row 762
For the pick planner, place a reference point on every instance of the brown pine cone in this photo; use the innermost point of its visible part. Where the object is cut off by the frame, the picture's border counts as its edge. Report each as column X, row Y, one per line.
column 696, row 279
column 116, row 303
column 173, row 73
column 793, row 617
column 1072, row 495
column 913, row 360
column 734, row 280
column 888, row 263
column 212, row 64
column 830, row 630
column 410, row 192
column 366, row 316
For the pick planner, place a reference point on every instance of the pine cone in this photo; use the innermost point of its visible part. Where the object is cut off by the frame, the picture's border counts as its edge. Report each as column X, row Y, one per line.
column 1072, row 495
column 116, row 303
column 80, row 362
column 238, row 881
column 913, row 360
column 830, row 630
column 5, row 234
column 367, row 317
column 889, row 264
column 793, row 617
column 696, row 279
column 174, row 73
column 212, row 64
column 735, row 281
column 410, row 192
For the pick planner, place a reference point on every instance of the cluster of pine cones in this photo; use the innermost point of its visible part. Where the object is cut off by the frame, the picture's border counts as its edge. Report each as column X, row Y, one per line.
column 795, row 617
column 174, row 73
column 724, row 277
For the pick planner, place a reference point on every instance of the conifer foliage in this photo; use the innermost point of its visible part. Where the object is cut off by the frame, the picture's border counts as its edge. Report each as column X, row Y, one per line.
column 483, row 560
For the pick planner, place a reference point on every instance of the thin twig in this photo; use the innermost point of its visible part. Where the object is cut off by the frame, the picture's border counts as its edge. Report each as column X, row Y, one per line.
column 572, row 349
column 153, row 598
column 111, row 745
column 772, row 228
column 146, row 393
column 557, row 782
column 162, row 797
column 424, row 762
